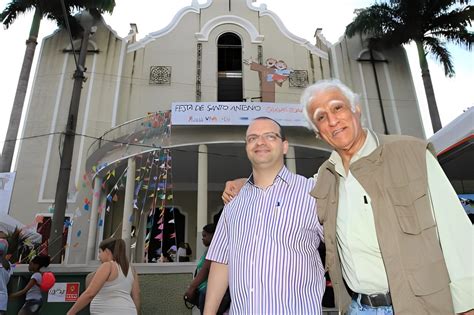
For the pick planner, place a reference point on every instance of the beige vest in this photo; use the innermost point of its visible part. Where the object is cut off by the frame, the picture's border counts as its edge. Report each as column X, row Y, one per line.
column 395, row 178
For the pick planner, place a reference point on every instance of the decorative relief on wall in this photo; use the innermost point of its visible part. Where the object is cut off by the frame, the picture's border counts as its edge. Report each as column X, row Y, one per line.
column 160, row 75
column 299, row 78
column 273, row 72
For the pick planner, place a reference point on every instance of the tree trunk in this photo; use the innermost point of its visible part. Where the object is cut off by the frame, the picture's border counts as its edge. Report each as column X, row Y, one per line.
column 17, row 109
column 429, row 91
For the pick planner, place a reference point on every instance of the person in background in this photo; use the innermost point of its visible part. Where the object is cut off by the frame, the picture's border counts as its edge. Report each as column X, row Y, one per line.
column 165, row 257
column 184, row 252
column 34, row 299
column 114, row 288
column 5, row 274
column 199, row 283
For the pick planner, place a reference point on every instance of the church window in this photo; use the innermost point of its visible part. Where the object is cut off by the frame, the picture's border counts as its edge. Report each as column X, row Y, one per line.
column 229, row 67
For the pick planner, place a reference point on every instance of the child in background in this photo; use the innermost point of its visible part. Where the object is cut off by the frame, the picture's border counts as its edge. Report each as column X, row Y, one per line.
column 184, row 252
column 34, row 300
column 5, row 273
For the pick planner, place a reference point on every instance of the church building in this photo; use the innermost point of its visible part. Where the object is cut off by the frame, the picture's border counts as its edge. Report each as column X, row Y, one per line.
column 162, row 120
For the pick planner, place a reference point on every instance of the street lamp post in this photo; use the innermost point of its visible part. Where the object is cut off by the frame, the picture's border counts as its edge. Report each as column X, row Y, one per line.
column 60, row 200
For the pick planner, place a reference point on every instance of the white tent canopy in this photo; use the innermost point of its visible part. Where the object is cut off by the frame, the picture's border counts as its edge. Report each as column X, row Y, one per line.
column 8, row 224
column 454, row 145
column 456, row 132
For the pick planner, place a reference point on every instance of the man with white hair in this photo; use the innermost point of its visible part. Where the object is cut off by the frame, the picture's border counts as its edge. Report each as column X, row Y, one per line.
column 397, row 239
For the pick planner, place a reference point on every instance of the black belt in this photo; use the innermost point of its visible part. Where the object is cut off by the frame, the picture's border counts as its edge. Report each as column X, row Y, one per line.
column 374, row 300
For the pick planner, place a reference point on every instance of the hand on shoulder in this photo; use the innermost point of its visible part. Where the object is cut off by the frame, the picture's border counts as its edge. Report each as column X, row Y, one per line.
column 232, row 189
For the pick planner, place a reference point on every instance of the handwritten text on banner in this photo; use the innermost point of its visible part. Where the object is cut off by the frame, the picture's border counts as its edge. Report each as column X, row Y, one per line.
column 235, row 113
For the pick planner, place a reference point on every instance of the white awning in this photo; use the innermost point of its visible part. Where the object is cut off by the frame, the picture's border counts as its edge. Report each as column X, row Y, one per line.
column 9, row 223
column 455, row 133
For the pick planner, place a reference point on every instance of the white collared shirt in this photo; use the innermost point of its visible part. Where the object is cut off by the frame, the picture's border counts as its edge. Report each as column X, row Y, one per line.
column 361, row 259
column 269, row 239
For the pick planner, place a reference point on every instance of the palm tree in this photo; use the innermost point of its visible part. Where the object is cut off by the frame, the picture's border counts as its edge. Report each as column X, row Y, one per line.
column 429, row 23
column 51, row 10
column 20, row 246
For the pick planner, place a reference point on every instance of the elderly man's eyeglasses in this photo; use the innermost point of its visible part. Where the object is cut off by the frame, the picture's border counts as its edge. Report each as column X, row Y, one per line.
column 268, row 136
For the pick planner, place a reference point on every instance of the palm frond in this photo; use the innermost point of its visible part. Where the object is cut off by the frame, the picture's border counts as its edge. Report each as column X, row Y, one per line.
column 397, row 22
column 462, row 38
column 375, row 21
column 52, row 10
column 77, row 5
column 436, row 7
column 19, row 244
column 15, row 8
column 457, row 19
column 438, row 50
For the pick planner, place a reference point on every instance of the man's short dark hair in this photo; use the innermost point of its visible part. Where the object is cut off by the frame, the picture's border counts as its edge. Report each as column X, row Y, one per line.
column 210, row 228
column 282, row 132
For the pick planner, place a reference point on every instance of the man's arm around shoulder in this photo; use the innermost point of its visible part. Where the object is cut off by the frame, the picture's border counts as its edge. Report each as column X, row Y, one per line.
column 217, row 284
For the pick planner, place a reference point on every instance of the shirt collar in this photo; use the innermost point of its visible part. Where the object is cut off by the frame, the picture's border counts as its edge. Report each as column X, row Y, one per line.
column 370, row 144
column 284, row 175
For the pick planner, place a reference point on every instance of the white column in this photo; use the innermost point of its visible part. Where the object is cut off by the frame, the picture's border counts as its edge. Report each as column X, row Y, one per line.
column 201, row 197
column 141, row 235
column 128, row 204
column 290, row 159
column 100, row 230
column 91, row 240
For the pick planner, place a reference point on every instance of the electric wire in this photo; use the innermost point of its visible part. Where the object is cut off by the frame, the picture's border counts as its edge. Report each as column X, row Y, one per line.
column 148, row 146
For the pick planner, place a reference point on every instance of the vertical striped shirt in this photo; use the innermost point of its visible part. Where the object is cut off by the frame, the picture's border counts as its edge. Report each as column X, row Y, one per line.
column 269, row 239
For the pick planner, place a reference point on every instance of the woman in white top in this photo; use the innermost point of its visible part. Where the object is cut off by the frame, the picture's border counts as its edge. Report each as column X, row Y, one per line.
column 114, row 288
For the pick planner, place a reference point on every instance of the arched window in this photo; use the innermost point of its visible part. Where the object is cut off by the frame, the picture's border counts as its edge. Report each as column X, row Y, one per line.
column 229, row 67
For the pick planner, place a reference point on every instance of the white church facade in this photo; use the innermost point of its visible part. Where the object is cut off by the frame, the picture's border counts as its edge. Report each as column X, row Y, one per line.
column 162, row 120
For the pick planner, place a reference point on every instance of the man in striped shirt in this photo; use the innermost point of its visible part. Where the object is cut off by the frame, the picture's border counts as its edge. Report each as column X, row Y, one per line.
column 266, row 244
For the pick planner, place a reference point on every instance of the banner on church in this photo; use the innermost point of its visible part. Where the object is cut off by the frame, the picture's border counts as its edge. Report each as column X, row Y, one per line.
column 235, row 113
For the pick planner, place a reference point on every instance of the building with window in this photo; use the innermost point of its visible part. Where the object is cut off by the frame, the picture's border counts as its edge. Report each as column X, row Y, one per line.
column 137, row 166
